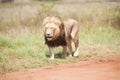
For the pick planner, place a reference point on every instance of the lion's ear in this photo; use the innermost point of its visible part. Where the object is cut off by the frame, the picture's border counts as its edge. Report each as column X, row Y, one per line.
column 46, row 20
column 57, row 21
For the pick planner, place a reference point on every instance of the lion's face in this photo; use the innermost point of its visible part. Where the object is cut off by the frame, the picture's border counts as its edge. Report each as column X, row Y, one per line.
column 52, row 27
column 52, row 31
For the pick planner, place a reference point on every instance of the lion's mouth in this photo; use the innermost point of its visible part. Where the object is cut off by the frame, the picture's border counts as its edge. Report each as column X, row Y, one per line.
column 49, row 37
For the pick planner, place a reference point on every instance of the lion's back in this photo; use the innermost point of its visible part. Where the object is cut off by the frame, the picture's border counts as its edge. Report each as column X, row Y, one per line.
column 70, row 25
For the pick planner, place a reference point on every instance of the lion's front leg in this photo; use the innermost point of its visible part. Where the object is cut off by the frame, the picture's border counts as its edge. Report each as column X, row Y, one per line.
column 64, row 52
column 51, row 50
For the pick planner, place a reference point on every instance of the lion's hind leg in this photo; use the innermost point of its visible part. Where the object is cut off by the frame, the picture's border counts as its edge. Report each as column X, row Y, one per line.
column 75, row 39
column 76, row 42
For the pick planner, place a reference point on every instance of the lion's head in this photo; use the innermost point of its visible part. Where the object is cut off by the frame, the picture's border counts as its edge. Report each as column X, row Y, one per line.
column 53, row 27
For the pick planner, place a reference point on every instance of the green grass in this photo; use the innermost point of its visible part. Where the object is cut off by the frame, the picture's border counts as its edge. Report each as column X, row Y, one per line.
column 22, row 41
column 29, row 51
column 100, row 35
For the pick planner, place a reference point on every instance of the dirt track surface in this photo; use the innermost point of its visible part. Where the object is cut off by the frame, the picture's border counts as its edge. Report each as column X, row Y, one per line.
column 104, row 69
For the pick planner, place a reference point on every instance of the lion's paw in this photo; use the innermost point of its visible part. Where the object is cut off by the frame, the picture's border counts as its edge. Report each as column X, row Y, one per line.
column 76, row 53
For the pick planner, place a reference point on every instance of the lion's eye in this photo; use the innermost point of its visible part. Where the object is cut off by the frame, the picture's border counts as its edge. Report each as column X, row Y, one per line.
column 46, row 27
column 52, row 28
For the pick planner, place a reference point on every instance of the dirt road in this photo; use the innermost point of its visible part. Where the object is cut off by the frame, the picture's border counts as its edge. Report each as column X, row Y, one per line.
column 102, row 69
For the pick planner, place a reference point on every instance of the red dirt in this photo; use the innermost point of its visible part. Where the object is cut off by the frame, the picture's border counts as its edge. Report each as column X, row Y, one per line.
column 104, row 69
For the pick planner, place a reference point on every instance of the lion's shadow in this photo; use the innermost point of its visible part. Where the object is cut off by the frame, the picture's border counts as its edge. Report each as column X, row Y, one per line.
column 57, row 55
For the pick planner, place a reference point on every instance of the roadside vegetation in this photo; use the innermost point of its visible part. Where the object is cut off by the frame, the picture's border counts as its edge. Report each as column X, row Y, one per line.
column 21, row 33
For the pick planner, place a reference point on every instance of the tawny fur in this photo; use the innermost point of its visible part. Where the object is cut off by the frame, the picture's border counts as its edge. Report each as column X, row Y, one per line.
column 61, row 33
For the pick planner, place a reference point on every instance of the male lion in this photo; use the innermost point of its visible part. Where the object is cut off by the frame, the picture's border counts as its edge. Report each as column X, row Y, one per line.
column 61, row 33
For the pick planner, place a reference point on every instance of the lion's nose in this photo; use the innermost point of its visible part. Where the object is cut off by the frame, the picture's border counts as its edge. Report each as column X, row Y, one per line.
column 48, row 34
